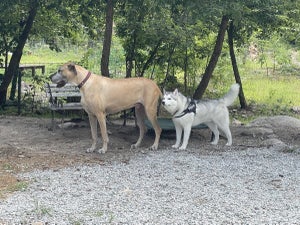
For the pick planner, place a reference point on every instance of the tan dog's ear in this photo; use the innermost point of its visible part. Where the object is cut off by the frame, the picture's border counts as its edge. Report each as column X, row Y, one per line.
column 72, row 68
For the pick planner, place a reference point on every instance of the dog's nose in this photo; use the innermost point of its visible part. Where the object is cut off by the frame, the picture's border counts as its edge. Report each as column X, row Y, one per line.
column 163, row 102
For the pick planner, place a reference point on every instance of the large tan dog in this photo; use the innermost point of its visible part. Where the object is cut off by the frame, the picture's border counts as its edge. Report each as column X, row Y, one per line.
column 101, row 95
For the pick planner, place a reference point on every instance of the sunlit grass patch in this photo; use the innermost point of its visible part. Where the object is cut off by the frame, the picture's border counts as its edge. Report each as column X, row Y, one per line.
column 273, row 90
column 44, row 55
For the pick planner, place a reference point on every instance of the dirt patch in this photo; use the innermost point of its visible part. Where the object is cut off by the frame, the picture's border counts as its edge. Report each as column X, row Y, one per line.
column 28, row 143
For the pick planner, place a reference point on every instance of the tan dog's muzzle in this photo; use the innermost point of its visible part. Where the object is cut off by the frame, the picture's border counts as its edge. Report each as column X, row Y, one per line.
column 59, row 82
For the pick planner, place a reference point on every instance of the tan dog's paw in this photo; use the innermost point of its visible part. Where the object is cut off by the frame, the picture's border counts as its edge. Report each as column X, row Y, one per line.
column 133, row 146
column 153, row 147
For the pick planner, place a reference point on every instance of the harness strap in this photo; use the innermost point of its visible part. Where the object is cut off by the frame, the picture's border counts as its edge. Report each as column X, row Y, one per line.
column 191, row 108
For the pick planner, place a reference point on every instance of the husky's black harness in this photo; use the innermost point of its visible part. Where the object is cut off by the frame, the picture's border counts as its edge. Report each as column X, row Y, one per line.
column 191, row 108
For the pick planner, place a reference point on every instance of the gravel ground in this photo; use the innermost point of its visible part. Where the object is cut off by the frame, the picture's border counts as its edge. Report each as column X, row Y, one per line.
column 252, row 186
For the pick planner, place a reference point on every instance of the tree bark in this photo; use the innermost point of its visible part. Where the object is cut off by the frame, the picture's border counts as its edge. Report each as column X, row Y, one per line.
column 129, row 66
column 234, row 65
column 17, row 54
column 171, row 52
column 107, row 38
column 185, row 66
column 151, row 57
column 213, row 60
column 130, row 55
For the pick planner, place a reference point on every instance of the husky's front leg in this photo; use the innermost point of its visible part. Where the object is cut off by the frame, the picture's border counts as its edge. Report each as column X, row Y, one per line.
column 186, row 136
column 178, row 129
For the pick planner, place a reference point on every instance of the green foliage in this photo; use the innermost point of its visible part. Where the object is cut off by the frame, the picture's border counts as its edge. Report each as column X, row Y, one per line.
column 55, row 21
column 92, row 56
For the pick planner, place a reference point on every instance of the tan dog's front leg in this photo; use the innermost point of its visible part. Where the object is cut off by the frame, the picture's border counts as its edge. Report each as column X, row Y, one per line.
column 93, row 125
column 102, row 122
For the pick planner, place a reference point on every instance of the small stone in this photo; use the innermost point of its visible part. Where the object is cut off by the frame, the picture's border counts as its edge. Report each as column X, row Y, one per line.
column 38, row 223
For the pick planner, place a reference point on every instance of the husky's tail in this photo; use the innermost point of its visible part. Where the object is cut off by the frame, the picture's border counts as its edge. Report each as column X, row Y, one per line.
column 232, row 94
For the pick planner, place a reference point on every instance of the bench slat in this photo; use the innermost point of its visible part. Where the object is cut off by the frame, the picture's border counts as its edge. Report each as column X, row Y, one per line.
column 62, row 89
column 67, row 106
column 66, row 94
column 67, row 88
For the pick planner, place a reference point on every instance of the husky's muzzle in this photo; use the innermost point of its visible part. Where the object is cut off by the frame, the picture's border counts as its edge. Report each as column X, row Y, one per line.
column 58, row 79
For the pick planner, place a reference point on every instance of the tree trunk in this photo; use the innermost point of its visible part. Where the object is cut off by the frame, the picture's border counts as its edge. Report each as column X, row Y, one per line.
column 185, row 66
column 130, row 55
column 151, row 57
column 171, row 52
column 13, row 87
column 234, row 65
column 213, row 60
column 17, row 54
column 107, row 38
column 129, row 66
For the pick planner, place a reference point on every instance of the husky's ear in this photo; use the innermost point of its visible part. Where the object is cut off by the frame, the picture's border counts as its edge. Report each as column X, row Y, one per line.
column 164, row 91
column 72, row 68
column 175, row 92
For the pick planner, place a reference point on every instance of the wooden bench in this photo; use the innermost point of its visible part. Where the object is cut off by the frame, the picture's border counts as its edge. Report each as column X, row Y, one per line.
column 63, row 99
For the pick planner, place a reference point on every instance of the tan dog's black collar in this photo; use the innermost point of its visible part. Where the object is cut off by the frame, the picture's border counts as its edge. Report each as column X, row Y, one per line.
column 84, row 80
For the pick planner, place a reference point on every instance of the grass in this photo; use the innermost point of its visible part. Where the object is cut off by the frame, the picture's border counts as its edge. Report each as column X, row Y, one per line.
column 7, row 167
column 10, row 184
column 43, row 55
column 273, row 90
column 41, row 210
column 19, row 186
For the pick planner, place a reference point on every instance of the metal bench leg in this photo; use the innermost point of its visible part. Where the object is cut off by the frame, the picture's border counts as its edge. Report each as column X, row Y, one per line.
column 52, row 121
column 63, row 120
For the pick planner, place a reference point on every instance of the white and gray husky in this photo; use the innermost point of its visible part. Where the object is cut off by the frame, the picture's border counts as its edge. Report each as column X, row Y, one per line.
column 187, row 113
